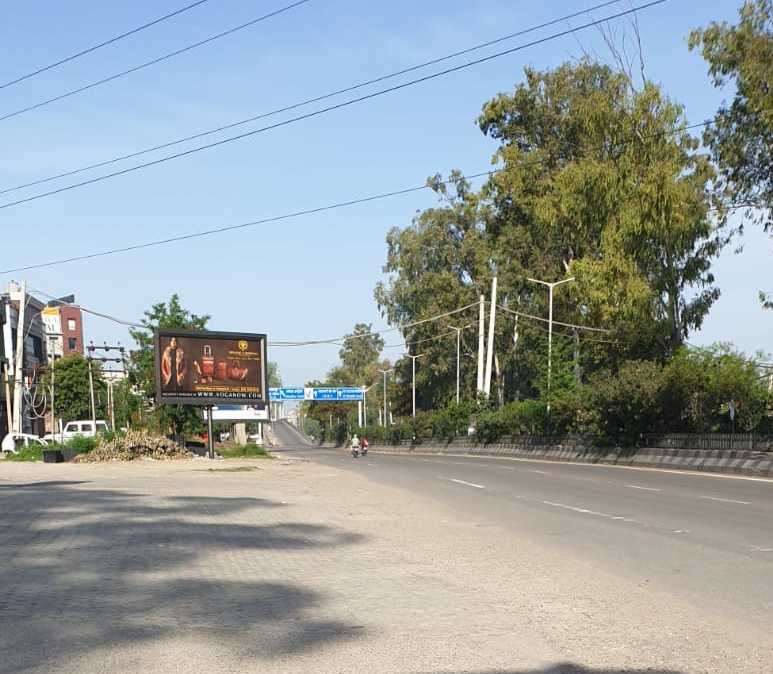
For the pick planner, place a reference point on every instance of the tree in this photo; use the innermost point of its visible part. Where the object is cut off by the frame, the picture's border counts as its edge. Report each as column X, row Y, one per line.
column 741, row 137
column 595, row 179
column 72, row 397
column 274, row 378
column 360, row 352
column 164, row 315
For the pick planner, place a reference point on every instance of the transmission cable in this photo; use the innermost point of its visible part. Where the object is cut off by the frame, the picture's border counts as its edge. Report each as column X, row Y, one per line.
column 303, row 103
column 153, row 62
column 337, row 106
column 94, row 48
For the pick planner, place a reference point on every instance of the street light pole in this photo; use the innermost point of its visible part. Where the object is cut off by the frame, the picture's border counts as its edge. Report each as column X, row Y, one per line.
column 385, row 372
column 413, row 369
column 458, row 355
column 550, row 287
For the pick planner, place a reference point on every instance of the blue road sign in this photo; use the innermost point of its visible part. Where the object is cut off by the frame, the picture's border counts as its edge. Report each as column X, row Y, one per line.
column 286, row 393
column 342, row 394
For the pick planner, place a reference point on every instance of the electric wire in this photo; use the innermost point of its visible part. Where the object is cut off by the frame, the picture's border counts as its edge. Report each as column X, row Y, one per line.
column 322, row 111
column 147, row 64
column 303, row 103
column 105, row 43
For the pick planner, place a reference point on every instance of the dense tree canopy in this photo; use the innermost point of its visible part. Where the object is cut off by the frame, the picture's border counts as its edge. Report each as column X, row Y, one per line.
column 72, row 398
column 594, row 179
column 741, row 137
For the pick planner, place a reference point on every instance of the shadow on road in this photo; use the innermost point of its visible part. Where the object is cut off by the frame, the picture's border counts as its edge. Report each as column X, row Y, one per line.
column 566, row 668
column 86, row 569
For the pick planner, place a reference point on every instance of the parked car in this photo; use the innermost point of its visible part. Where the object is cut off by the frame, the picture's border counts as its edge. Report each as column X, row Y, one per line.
column 84, row 428
column 13, row 442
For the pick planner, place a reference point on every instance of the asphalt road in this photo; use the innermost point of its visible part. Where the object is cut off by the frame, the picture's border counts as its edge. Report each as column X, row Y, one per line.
column 706, row 539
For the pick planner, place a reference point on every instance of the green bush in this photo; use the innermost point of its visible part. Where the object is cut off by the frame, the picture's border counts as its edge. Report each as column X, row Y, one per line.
column 31, row 453
column 248, row 451
column 82, row 444
column 452, row 420
column 524, row 417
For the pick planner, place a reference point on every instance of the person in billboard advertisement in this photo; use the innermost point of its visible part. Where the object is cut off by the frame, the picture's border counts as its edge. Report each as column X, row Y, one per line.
column 174, row 366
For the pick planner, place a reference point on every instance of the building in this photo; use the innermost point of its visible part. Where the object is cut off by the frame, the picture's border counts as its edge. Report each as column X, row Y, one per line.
column 50, row 331
column 64, row 327
column 17, row 306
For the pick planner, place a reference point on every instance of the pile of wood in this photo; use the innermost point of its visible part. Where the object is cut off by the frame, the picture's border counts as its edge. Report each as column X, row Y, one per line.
column 135, row 445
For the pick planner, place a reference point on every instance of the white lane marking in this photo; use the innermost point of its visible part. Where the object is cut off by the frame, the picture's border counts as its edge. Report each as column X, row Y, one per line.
column 541, row 472
column 725, row 500
column 596, row 513
column 681, row 531
column 757, row 548
column 636, row 486
column 468, row 484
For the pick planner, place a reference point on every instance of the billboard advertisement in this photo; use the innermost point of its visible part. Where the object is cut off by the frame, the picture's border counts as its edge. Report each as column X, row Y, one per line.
column 207, row 368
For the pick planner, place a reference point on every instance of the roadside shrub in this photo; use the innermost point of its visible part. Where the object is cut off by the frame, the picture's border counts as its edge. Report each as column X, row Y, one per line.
column 489, row 427
column 82, row 444
column 523, row 417
column 31, row 453
column 451, row 421
column 248, row 451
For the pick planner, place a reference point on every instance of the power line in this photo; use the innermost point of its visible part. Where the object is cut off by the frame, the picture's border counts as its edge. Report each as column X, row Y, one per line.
column 228, row 228
column 254, row 223
column 546, row 320
column 305, row 102
column 281, row 343
column 331, row 108
column 155, row 61
column 94, row 48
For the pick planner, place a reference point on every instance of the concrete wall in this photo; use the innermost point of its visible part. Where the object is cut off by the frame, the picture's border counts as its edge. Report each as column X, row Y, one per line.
column 740, row 462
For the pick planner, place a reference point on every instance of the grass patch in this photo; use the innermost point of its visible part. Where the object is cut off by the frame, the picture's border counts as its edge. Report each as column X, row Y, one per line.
column 248, row 451
column 31, row 453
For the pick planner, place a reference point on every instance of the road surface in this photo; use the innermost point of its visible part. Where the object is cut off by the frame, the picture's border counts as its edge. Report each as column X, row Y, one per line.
column 705, row 539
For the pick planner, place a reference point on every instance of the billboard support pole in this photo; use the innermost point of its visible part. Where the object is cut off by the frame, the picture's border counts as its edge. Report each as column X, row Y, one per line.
column 210, row 435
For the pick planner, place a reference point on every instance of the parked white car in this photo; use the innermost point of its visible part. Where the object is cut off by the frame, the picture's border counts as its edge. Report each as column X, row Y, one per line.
column 80, row 427
column 13, row 442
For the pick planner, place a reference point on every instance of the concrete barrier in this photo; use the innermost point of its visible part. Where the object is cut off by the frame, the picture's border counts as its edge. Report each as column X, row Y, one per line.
column 737, row 462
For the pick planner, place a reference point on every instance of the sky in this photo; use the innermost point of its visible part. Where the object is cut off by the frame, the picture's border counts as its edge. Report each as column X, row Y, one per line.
column 310, row 277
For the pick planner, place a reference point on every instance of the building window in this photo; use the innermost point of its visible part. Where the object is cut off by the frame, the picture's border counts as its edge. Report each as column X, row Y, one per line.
column 37, row 348
column 71, row 325
column 72, row 343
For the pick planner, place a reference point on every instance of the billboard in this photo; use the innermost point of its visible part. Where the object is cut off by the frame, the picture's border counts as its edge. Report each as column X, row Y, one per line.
column 207, row 368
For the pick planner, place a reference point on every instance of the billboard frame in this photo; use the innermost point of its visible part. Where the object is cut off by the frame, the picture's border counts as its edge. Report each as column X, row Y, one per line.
column 204, row 401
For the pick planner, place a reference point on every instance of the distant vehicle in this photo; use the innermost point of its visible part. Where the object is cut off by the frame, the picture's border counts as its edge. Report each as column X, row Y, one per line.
column 13, row 442
column 72, row 429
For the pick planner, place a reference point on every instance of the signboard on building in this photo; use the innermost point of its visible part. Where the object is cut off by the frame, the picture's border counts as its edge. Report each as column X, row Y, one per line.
column 207, row 368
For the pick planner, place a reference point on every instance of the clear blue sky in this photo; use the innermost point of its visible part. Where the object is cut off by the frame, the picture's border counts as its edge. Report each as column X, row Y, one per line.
column 314, row 276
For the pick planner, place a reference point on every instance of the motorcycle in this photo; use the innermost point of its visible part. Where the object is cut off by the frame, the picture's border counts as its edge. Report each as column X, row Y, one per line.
column 364, row 450
column 356, row 451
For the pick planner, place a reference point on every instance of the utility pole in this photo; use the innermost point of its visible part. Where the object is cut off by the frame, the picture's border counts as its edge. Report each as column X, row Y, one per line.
column 458, row 355
column 21, row 296
column 385, row 372
column 413, row 386
column 481, row 341
column 490, row 349
column 7, row 384
column 550, row 287
column 91, row 394
column 51, row 341
column 105, row 359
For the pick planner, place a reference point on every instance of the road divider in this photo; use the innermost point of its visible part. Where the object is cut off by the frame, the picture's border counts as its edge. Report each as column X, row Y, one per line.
column 733, row 462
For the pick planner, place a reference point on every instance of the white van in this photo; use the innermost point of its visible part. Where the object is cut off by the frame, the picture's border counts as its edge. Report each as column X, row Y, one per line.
column 81, row 427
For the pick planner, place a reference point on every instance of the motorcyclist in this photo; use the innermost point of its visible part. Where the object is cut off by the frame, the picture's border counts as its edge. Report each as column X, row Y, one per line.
column 355, row 442
column 364, row 443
